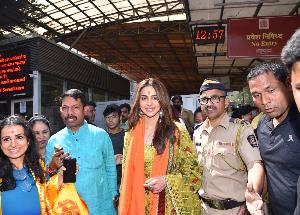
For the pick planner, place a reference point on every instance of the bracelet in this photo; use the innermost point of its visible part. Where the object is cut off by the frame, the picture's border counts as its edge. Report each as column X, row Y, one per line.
column 50, row 171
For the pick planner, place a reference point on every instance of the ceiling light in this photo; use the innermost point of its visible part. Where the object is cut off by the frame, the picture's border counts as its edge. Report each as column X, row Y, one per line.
column 245, row 2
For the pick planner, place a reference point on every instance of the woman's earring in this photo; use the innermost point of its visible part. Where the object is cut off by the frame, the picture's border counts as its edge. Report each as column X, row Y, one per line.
column 141, row 113
column 160, row 115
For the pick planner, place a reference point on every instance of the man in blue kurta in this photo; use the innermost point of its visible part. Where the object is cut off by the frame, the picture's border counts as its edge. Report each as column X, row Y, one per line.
column 96, row 181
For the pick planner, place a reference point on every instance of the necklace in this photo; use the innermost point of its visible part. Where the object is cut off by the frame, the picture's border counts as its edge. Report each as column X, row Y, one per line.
column 24, row 179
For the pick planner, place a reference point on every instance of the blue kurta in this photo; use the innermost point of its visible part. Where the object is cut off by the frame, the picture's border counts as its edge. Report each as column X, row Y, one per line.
column 96, row 181
column 22, row 200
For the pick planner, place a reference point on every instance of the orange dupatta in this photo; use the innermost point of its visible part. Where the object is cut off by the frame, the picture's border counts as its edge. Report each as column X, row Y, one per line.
column 132, row 198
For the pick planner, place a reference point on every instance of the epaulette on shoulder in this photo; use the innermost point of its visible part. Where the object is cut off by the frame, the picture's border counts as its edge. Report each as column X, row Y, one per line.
column 197, row 126
column 238, row 121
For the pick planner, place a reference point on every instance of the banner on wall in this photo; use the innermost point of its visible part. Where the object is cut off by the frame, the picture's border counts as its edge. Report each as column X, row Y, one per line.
column 15, row 80
column 259, row 36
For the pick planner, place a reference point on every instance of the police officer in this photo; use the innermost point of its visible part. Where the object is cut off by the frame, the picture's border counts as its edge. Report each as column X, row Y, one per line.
column 228, row 153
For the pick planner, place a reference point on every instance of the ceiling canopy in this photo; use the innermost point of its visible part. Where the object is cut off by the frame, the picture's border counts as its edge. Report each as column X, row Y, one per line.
column 144, row 38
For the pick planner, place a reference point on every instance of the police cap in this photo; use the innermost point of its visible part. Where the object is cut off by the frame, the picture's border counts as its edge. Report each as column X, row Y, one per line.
column 210, row 84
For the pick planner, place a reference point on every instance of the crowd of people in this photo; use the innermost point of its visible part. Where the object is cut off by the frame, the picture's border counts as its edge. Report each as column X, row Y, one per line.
column 156, row 157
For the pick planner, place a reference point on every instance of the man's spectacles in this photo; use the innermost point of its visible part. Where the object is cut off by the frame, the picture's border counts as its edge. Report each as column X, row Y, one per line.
column 74, row 108
column 213, row 99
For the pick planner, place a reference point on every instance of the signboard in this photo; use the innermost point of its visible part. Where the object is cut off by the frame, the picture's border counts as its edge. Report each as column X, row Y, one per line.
column 209, row 35
column 15, row 81
column 259, row 36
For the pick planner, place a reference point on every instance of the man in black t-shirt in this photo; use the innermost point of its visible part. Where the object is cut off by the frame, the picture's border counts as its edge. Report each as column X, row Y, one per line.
column 278, row 134
column 112, row 114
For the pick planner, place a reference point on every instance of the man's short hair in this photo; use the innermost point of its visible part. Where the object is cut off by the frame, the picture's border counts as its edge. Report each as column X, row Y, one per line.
column 91, row 103
column 112, row 108
column 176, row 97
column 291, row 51
column 279, row 71
column 125, row 105
column 75, row 94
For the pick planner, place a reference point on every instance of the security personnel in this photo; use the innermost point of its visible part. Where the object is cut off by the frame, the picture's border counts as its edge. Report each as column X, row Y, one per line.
column 228, row 153
column 278, row 134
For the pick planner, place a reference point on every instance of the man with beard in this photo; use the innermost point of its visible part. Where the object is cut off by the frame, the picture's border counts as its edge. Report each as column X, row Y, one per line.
column 278, row 134
column 92, row 147
column 112, row 115
column 228, row 153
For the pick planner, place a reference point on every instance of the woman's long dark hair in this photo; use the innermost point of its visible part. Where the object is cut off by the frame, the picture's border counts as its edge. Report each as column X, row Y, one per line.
column 165, row 127
column 31, row 160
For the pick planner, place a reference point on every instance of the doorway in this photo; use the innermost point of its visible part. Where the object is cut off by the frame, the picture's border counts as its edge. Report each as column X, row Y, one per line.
column 23, row 107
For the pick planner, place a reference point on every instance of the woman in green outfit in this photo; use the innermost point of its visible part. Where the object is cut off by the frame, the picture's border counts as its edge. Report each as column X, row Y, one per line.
column 161, row 173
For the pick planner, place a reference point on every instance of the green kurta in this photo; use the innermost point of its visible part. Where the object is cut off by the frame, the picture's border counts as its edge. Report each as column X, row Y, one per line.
column 183, row 177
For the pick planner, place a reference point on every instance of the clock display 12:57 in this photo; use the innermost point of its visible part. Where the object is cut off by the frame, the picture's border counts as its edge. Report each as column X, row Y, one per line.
column 216, row 34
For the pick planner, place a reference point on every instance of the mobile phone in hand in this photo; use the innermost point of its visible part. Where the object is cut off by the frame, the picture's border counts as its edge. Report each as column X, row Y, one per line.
column 69, row 175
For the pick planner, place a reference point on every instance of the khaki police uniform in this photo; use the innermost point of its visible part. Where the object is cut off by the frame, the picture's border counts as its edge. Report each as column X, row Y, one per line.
column 223, row 174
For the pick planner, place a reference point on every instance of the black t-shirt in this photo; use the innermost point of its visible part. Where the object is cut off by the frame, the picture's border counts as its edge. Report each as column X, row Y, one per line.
column 280, row 152
column 118, row 143
column 297, row 210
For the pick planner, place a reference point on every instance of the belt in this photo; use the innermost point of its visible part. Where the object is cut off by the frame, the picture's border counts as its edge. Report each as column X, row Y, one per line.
column 222, row 204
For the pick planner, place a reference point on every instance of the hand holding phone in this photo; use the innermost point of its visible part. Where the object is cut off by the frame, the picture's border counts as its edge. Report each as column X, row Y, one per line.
column 69, row 174
column 56, row 160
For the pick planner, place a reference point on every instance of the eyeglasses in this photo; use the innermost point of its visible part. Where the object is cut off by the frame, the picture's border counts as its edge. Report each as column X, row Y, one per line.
column 67, row 108
column 214, row 99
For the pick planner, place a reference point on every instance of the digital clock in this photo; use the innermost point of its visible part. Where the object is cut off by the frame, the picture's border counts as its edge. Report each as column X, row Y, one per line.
column 209, row 34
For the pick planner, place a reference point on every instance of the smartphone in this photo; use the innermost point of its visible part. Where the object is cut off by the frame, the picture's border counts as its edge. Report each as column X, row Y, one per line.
column 69, row 174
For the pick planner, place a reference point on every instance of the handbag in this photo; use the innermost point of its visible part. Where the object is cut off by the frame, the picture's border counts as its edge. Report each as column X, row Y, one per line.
column 66, row 200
